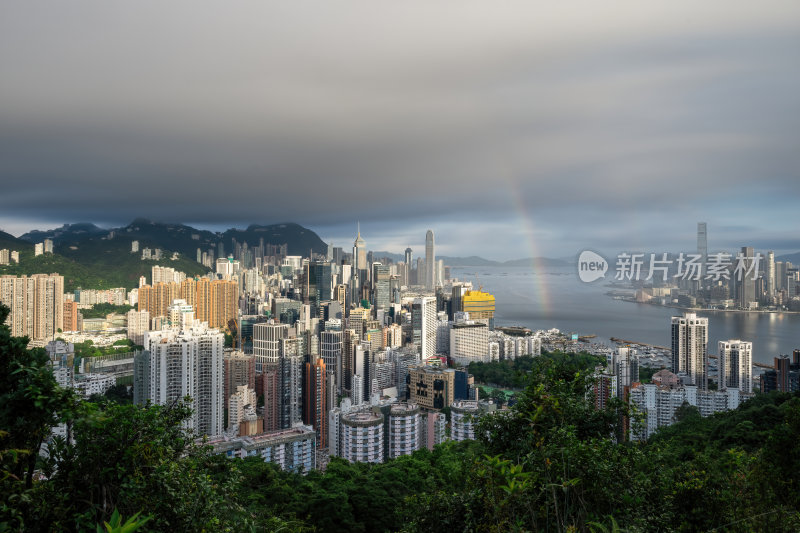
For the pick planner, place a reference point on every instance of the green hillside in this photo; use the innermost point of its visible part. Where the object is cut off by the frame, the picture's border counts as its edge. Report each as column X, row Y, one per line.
column 82, row 241
column 299, row 239
column 8, row 241
column 106, row 269
column 92, row 257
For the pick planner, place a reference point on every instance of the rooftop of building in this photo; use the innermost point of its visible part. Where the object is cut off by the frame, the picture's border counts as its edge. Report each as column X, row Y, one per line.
column 404, row 408
column 223, row 442
column 469, row 324
column 515, row 331
column 464, row 405
column 664, row 373
column 362, row 418
column 430, row 369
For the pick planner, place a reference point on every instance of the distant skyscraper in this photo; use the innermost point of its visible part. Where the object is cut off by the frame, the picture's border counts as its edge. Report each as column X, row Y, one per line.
column 359, row 252
column 71, row 318
column 315, row 400
column 464, row 415
column 770, row 274
column 138, row 324
column 408, row 266
column 239, row 369
column 735, row 365
column 747, row 285
column 431, row 388
column 423, row 325
column 405, row 429
column 480, row 306
column 430, row 261
column 184, row 363
column 626, row 369
column 320, row 284
column 36, row 303
column 331, row 352
column 267, row 342
column 702, row 248
column 359, row 264
column 380, row 283
column 362, row 437
column 290, row 389
column 469, row 342
column 690, row 348
column 268, row 384
column 780, row 276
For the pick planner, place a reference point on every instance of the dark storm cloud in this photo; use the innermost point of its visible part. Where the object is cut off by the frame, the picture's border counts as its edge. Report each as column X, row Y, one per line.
column 495, row 124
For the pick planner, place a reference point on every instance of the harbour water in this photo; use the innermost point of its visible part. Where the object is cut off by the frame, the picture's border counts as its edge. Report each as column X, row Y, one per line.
column 554, row 297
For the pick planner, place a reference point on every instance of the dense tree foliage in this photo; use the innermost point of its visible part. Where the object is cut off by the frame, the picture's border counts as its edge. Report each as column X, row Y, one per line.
column 553, row 464
column 550, row 463
column 646, row 373
column 103, row 309
column 30, row 403
column 87, row 348
column 513, row 373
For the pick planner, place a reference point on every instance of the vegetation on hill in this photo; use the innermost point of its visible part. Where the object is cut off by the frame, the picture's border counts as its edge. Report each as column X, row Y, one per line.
column 88, row 349
column 646, row 373
column 105, row 271
column 299, row 239
column 93, row 258
column 9, row 242
column 550, row 463
column 513, row 373
column 85, row 241
column 104, row 309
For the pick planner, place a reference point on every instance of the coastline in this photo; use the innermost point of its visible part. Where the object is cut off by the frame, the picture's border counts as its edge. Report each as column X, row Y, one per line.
column 702, row 309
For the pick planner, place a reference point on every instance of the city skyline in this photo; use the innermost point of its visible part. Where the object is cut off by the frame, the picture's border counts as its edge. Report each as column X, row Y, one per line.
column 398, row 241
column 410, row 266
column 533, row 132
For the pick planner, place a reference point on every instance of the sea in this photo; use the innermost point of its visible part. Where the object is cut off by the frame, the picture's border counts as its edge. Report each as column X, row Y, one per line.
column 554, row 297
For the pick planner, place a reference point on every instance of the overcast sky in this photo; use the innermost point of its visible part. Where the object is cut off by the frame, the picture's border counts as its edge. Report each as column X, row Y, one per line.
column 510, row 128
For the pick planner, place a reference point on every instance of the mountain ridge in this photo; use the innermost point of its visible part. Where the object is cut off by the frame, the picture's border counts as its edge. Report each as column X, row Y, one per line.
column 182, row 238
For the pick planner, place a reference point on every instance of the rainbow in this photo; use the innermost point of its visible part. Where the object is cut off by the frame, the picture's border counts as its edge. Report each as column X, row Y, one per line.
column 541, row 294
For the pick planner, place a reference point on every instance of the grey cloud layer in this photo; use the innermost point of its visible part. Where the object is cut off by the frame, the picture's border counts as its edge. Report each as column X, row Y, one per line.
column 330, row 111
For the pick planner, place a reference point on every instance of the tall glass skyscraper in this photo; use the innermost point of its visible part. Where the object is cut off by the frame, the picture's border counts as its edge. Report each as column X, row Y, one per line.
column 690, row 348
column 702, row 249
column 430, row 261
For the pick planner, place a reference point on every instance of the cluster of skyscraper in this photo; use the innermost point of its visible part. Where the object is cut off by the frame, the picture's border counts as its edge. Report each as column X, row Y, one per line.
column 348, row 354
column 36, row 303
column 320, row 344
column 687, row 382
column 743, row 280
